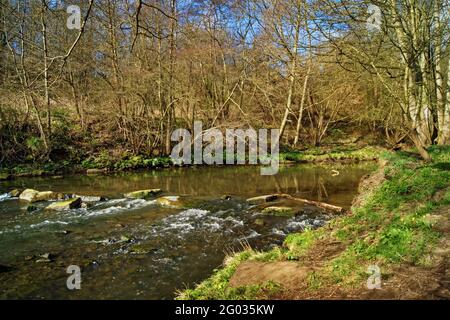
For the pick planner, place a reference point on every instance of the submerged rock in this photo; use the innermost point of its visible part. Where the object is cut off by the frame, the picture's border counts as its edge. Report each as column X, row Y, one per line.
column 31, row 208
column 262, row 199
column 143, row 194
column 260, row 222
column 142, row 249
column 170, row 201
column 74, row 203
column 5, row 268
column 279, row 211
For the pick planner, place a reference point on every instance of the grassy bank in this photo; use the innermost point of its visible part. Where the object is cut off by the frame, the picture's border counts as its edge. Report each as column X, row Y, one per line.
column 111, row 163
column 347, row 153
column 391, row 225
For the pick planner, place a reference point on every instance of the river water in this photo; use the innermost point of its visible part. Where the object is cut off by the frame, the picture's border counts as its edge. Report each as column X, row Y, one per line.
column 136, row 249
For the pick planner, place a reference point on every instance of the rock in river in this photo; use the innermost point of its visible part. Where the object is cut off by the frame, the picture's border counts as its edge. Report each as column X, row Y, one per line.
column 170, row 201
column 47, row 196
column 143, row 194
column 142, row 248
column 279, row 211
column 32, row 195
column 28, row 195
column 31, row 208
column 73, row 203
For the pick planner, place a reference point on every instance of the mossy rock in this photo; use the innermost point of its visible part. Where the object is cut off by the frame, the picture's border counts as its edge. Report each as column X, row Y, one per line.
column 74, row 203
column 279, row 211
column 143, row 194
column 15, row 193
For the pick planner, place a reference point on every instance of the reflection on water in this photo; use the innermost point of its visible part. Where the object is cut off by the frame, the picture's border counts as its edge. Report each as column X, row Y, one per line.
column 137, row 249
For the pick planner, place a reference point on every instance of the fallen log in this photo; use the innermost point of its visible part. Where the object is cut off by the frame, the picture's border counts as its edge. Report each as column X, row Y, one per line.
column 322, row 205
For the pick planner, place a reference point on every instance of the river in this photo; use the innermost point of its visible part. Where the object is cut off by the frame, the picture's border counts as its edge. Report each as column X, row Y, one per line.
column 137, row 249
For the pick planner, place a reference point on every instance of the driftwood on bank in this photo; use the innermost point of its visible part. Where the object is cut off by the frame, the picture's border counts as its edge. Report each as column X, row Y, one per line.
column 322, row 205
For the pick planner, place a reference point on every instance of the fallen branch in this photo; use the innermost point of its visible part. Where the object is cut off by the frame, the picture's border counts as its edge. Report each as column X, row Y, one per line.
column 322, row 205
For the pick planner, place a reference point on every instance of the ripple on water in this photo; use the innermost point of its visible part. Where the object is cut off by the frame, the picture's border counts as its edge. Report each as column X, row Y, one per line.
column 194, row 220
column 4, row 196
column 115, row 206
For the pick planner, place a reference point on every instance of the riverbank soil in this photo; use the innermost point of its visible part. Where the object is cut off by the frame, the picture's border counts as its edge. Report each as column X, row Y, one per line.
column 398, row 225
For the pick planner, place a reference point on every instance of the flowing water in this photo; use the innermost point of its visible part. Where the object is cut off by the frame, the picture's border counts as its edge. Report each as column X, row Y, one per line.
column 136, row 249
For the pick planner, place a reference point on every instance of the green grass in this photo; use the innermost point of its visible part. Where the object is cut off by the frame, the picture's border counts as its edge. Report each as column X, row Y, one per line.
column 299, row 243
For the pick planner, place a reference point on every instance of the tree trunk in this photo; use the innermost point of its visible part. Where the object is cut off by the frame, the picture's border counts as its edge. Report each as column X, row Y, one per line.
column 302, row 104
column 415, row 137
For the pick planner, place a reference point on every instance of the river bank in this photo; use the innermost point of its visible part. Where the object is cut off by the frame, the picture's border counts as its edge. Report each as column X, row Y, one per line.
column 104, row 163
column 398, row 225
